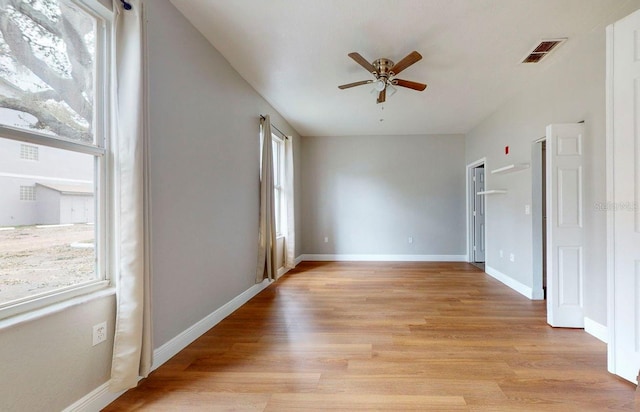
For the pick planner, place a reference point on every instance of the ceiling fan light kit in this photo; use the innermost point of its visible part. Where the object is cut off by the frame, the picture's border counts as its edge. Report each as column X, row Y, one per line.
column 384, row 72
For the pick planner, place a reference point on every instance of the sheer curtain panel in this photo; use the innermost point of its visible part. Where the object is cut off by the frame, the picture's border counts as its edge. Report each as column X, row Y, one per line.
column 132, row 348
column 267, row 231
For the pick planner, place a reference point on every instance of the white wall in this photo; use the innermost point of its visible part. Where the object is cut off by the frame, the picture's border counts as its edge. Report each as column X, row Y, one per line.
column 570, row 87
column 368, row 194
column 47, row 206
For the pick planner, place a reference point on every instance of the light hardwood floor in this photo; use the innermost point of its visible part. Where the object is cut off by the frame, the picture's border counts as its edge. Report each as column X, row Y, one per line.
column 390, row 337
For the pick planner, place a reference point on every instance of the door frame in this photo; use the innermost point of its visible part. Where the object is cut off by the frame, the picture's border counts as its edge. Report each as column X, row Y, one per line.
column 538, row 186
column 470, row 199
column 610, row 181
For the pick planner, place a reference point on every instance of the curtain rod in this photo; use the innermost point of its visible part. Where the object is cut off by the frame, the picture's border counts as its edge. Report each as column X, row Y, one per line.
column 283, row 134
column 126, row 5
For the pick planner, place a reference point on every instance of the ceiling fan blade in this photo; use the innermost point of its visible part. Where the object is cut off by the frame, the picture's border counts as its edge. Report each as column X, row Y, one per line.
column 382, row 96
column 354, row 84
column 411, row 58
column 362, row 62
column 409, row 84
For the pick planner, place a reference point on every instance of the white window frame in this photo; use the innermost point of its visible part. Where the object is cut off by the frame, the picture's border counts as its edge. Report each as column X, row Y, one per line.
column 103, row 172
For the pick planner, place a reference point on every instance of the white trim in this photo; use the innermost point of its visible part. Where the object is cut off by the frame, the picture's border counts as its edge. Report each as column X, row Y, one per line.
column 610, row 184
column 299, row 259
column 37, row 177
column 181, row 341
column 596, row 329
column 385, row 258
column 100, row 397
column 509, row 281
column 537, row 294
column 492, row 192
column 37, row 306
column 95, row 400
column 282, row 271
column 56, row 142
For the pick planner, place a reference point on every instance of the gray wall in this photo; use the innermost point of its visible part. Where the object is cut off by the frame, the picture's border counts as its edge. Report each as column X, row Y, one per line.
column 49, row 363
column 368, row 194
column 204, row 164
column 569, row 88
column 204, row 183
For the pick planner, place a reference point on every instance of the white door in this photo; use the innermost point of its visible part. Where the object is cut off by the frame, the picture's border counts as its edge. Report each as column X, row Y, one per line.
column 478, row 215
column 565, row 259
column 624, row 159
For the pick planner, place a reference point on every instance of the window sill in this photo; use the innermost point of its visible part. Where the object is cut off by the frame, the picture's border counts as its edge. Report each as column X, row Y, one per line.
column 56, row 307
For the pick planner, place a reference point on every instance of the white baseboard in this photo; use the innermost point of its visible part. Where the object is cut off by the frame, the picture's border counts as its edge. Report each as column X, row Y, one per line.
column 509, row 281
column 385, row 258
column 95, row 400
column 175, row 345
column 596, row 330
column 298, row 259
column 537, row 294
column 100, row 397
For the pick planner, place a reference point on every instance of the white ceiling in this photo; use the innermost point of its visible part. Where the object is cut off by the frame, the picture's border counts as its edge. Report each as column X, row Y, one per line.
column 294, row 53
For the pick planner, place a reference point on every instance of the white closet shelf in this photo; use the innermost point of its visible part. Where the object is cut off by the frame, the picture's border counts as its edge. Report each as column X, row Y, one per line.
column 492, row 192
column 515, row 167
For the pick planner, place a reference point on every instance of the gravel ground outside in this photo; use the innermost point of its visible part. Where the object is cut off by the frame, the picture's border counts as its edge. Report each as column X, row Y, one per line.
column 35, row 259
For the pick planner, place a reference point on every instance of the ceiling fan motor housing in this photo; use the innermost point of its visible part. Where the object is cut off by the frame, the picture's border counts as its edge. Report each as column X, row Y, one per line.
column 383, row 67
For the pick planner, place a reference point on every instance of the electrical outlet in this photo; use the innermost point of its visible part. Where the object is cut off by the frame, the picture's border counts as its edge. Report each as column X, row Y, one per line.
column 501, row 253
column 99, row 333
column 410, row 239
column 326, row 240
column 512, row 257
column 527, row 209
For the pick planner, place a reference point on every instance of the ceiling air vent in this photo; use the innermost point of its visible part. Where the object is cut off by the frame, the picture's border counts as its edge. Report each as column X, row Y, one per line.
column 543, row 49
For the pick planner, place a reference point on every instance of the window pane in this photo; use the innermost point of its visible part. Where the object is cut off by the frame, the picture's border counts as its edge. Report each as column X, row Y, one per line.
column 47, row 231
column 277, row 204
column 47, row 66
column 276, row 162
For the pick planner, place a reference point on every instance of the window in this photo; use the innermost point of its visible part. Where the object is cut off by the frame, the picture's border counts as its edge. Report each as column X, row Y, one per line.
column 278, row 182
column 28, row 152
column 53, row 55
column 28, row 193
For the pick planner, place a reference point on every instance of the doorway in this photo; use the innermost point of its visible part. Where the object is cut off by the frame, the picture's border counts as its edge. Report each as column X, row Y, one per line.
column 539, row 217
column 476, row 213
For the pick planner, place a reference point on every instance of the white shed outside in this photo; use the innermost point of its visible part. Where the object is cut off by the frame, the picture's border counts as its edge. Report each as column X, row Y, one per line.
column 62, row 204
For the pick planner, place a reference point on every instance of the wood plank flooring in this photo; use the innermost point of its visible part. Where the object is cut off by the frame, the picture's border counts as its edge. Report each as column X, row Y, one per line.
column 390, row 337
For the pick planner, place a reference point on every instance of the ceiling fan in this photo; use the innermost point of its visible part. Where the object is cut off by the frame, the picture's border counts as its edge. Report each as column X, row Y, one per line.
column 385, row 72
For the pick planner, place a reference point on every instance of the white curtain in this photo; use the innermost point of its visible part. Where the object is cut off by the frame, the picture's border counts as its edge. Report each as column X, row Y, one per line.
column 267, row 231
column 132, row 349
column 290, row 240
